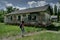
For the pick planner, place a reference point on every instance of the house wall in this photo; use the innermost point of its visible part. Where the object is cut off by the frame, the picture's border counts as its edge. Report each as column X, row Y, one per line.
column 40, row 17
column 44, row 17
column 5, row 19
column 31, row 21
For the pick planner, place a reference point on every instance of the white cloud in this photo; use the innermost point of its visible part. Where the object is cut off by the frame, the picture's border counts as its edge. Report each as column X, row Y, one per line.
column 5, row 9
column 42, row 3
column 52, row 4
column 31, row 3
column 20, row 8
column 9, row 4
column 37, row 4
column 57, row 4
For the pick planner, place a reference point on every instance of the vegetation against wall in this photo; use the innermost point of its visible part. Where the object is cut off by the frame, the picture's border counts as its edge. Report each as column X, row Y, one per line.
column 8, row 10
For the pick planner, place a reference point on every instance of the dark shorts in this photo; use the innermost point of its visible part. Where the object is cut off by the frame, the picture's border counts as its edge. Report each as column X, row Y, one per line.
column 22, row 29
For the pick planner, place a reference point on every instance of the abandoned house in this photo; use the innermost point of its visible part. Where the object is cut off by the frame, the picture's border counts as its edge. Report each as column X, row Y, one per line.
column 32, row 16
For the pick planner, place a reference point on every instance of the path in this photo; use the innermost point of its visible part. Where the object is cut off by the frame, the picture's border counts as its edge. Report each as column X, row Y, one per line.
column 29, row 34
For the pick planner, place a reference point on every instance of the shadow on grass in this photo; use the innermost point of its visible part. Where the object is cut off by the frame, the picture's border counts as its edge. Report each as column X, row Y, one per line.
column 51, row 27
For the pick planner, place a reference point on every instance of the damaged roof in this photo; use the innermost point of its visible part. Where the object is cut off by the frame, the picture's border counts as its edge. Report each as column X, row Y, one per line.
column 36, row 9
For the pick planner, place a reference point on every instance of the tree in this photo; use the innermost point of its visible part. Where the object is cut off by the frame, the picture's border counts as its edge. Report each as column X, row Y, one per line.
column 58, row 13
column 55, row 9
column 11, row 9
column 51, row 10
column 2, row 12
column 14, row 9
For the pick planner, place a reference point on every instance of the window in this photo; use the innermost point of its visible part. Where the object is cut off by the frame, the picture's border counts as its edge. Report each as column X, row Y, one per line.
column 24, row 15
column 34, row 18
column 31, row 17
column 11, row 17
column 19, row 17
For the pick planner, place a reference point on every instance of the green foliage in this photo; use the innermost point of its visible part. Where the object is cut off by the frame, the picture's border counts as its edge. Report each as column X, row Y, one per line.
column 55, row 9
column 51, row 10
column 12, row 30
column 11, row 9
column 58, row 15
column 59, row 12
column 1, row 19
column 1, row 15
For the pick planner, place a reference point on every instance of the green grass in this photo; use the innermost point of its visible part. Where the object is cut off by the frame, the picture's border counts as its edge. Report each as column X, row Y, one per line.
column 42, row 36
column 11, row 30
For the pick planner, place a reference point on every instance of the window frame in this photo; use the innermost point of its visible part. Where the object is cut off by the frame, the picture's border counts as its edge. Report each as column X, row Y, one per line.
column 34, row 17
column 18, row 17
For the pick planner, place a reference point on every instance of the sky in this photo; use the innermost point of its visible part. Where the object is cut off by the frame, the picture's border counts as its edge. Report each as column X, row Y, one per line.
column 24, row 4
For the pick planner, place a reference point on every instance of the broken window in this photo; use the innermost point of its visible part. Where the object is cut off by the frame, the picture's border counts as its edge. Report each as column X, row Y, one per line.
column 30, row 17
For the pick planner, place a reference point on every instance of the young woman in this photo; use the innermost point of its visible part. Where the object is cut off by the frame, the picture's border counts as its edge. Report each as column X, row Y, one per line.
column 22, row 28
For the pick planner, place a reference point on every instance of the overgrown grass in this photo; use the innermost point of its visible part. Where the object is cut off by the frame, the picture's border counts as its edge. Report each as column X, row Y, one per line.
column 42, row 36
column 11, row 30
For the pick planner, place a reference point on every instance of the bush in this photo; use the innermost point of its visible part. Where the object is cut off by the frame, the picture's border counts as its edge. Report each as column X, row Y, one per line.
column 1, row 19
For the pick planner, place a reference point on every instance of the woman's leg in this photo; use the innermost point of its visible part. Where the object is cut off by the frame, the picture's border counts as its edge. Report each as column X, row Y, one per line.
column 23, row 31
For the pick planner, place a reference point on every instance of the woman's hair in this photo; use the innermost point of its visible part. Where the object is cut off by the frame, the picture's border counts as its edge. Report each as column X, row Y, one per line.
column 22, row 21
